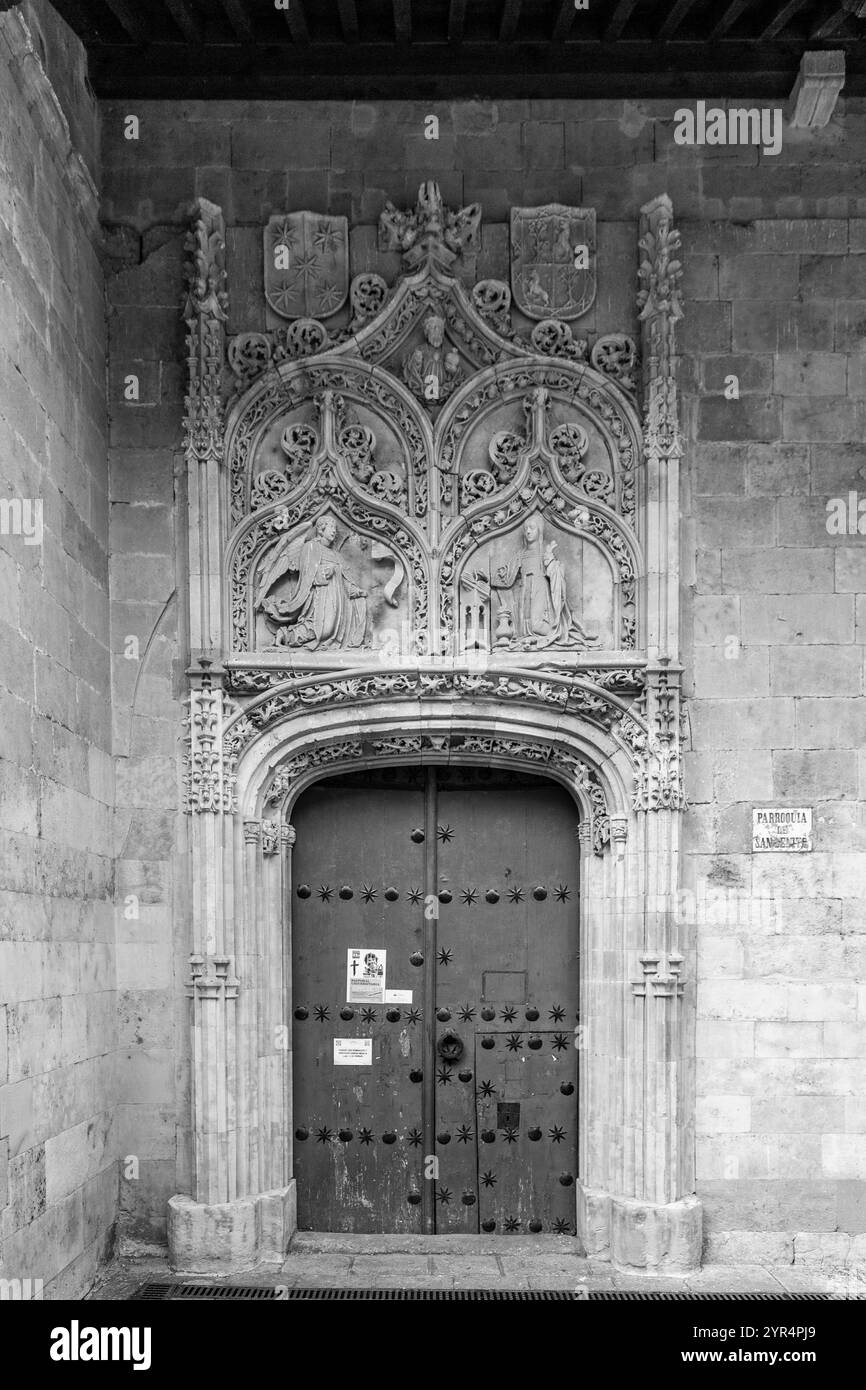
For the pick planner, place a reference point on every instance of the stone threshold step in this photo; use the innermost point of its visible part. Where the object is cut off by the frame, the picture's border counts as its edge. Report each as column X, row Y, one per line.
column 333, row 1243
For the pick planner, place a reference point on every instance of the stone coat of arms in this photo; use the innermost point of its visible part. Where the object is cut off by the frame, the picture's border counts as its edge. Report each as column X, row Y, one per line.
column 306, row 264
column 553, row 260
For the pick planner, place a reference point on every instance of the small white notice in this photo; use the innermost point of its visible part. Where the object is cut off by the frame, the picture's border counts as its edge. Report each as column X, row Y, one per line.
column 365, row 975
column 353, row 1052
column 398, row 996
column 781, row 829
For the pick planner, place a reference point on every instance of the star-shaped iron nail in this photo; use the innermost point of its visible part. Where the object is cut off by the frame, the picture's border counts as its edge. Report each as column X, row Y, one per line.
column 445, row 834
column 443, row 1076
column 414, row 895
column 508, row 1015
column 365, row 1136
column 369, row 894
column 511, row 1135
column 465, row 1013
column 415, row 1137
column 444, row 1195
column 512, row 1223
column 445, row 957
column 514, row 1041
column 486, row 1088
column 562, row 892
column 322, row 1014
column 562, row 1228
column 464, row 1134
column 560, row 1042
column 469, row 896
column 368, row 1015
column 489, row 1178
column 324, row 1135
column 515, row 895
column 557, row 1013
column 557, row 1134
column 325, row 893
column 411, row 1015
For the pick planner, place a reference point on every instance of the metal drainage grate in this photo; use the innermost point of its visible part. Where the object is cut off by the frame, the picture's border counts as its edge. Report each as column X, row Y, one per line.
column 258, row 1293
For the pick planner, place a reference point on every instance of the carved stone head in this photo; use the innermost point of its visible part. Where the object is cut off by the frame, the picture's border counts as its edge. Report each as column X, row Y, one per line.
column 326, row 529
column 434, row 330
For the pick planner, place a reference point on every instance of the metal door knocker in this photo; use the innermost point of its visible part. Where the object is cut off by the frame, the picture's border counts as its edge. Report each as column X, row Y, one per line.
column 450, row 1047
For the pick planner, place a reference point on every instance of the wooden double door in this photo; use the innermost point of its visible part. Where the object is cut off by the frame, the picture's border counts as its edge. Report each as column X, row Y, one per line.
column 435, row 998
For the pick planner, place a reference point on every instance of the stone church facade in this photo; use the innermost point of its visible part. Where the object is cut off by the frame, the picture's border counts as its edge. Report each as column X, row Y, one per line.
column 490, row 465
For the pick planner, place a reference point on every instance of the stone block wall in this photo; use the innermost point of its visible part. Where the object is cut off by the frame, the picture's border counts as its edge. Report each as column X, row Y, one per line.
column 58, row 1029
column 775, row 602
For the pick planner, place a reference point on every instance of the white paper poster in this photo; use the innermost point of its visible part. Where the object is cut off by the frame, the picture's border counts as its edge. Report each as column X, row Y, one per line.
column 398, row 996
column 365, row 975
column 353, row 1052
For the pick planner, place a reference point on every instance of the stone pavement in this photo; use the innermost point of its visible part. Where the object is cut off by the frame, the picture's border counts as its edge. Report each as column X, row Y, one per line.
column 460, row 1262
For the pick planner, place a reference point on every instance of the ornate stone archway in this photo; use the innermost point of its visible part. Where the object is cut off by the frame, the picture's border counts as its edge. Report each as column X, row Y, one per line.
column 485, row 575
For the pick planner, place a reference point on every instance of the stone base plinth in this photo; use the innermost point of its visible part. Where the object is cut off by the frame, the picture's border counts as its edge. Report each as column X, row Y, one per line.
column 640, row 1237
column 232, row 1235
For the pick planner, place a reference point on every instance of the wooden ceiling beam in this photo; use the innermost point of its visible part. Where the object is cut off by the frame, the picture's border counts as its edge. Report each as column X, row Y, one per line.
column 456, row 21
column 564, row 21
column 510, row 20
column 188, row 23
column 79, row 18
column 831, row 19
column 349, row 20
column 236, row 14
column 297, row 22
column 129, row 18
column 728, row 19
column 619, row 19
column 403, row 21
column 675, row 16
column 777, row 24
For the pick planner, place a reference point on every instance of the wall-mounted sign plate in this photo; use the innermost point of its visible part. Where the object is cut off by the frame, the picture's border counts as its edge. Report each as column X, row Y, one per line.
column 781, row 829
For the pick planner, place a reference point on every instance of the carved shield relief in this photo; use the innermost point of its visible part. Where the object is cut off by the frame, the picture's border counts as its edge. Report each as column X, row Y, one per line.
column 553, row 260
column 306, row 264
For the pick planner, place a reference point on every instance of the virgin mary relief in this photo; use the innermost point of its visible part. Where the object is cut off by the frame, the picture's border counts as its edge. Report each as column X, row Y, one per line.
column 540, row 612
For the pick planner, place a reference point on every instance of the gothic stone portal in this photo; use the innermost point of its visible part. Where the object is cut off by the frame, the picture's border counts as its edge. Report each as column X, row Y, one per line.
column 464, row 1118
column 441, row 533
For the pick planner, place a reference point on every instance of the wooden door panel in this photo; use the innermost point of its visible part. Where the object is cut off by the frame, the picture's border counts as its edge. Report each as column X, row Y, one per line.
column 507, row 970
column 527, row 1123
column 357, row 839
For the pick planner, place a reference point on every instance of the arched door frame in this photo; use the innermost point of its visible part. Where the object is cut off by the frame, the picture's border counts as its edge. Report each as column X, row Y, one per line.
column 633, row 1197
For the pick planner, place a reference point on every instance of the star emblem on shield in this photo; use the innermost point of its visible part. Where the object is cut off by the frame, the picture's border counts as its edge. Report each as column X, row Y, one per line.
column 306, row 264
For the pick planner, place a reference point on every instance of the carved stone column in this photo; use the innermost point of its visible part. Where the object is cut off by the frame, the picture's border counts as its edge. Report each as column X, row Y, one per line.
column 637, row 1203
column 231, row 1214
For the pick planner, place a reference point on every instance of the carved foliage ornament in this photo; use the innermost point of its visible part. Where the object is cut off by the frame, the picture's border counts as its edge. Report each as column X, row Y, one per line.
column 415, row 746
column 208, row 781
column 205, row 312
column 430, row 235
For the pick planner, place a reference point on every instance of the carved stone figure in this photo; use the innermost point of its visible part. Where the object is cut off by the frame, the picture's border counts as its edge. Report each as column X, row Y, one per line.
column 541, row 615
column 433, row 371
column 326, row 609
